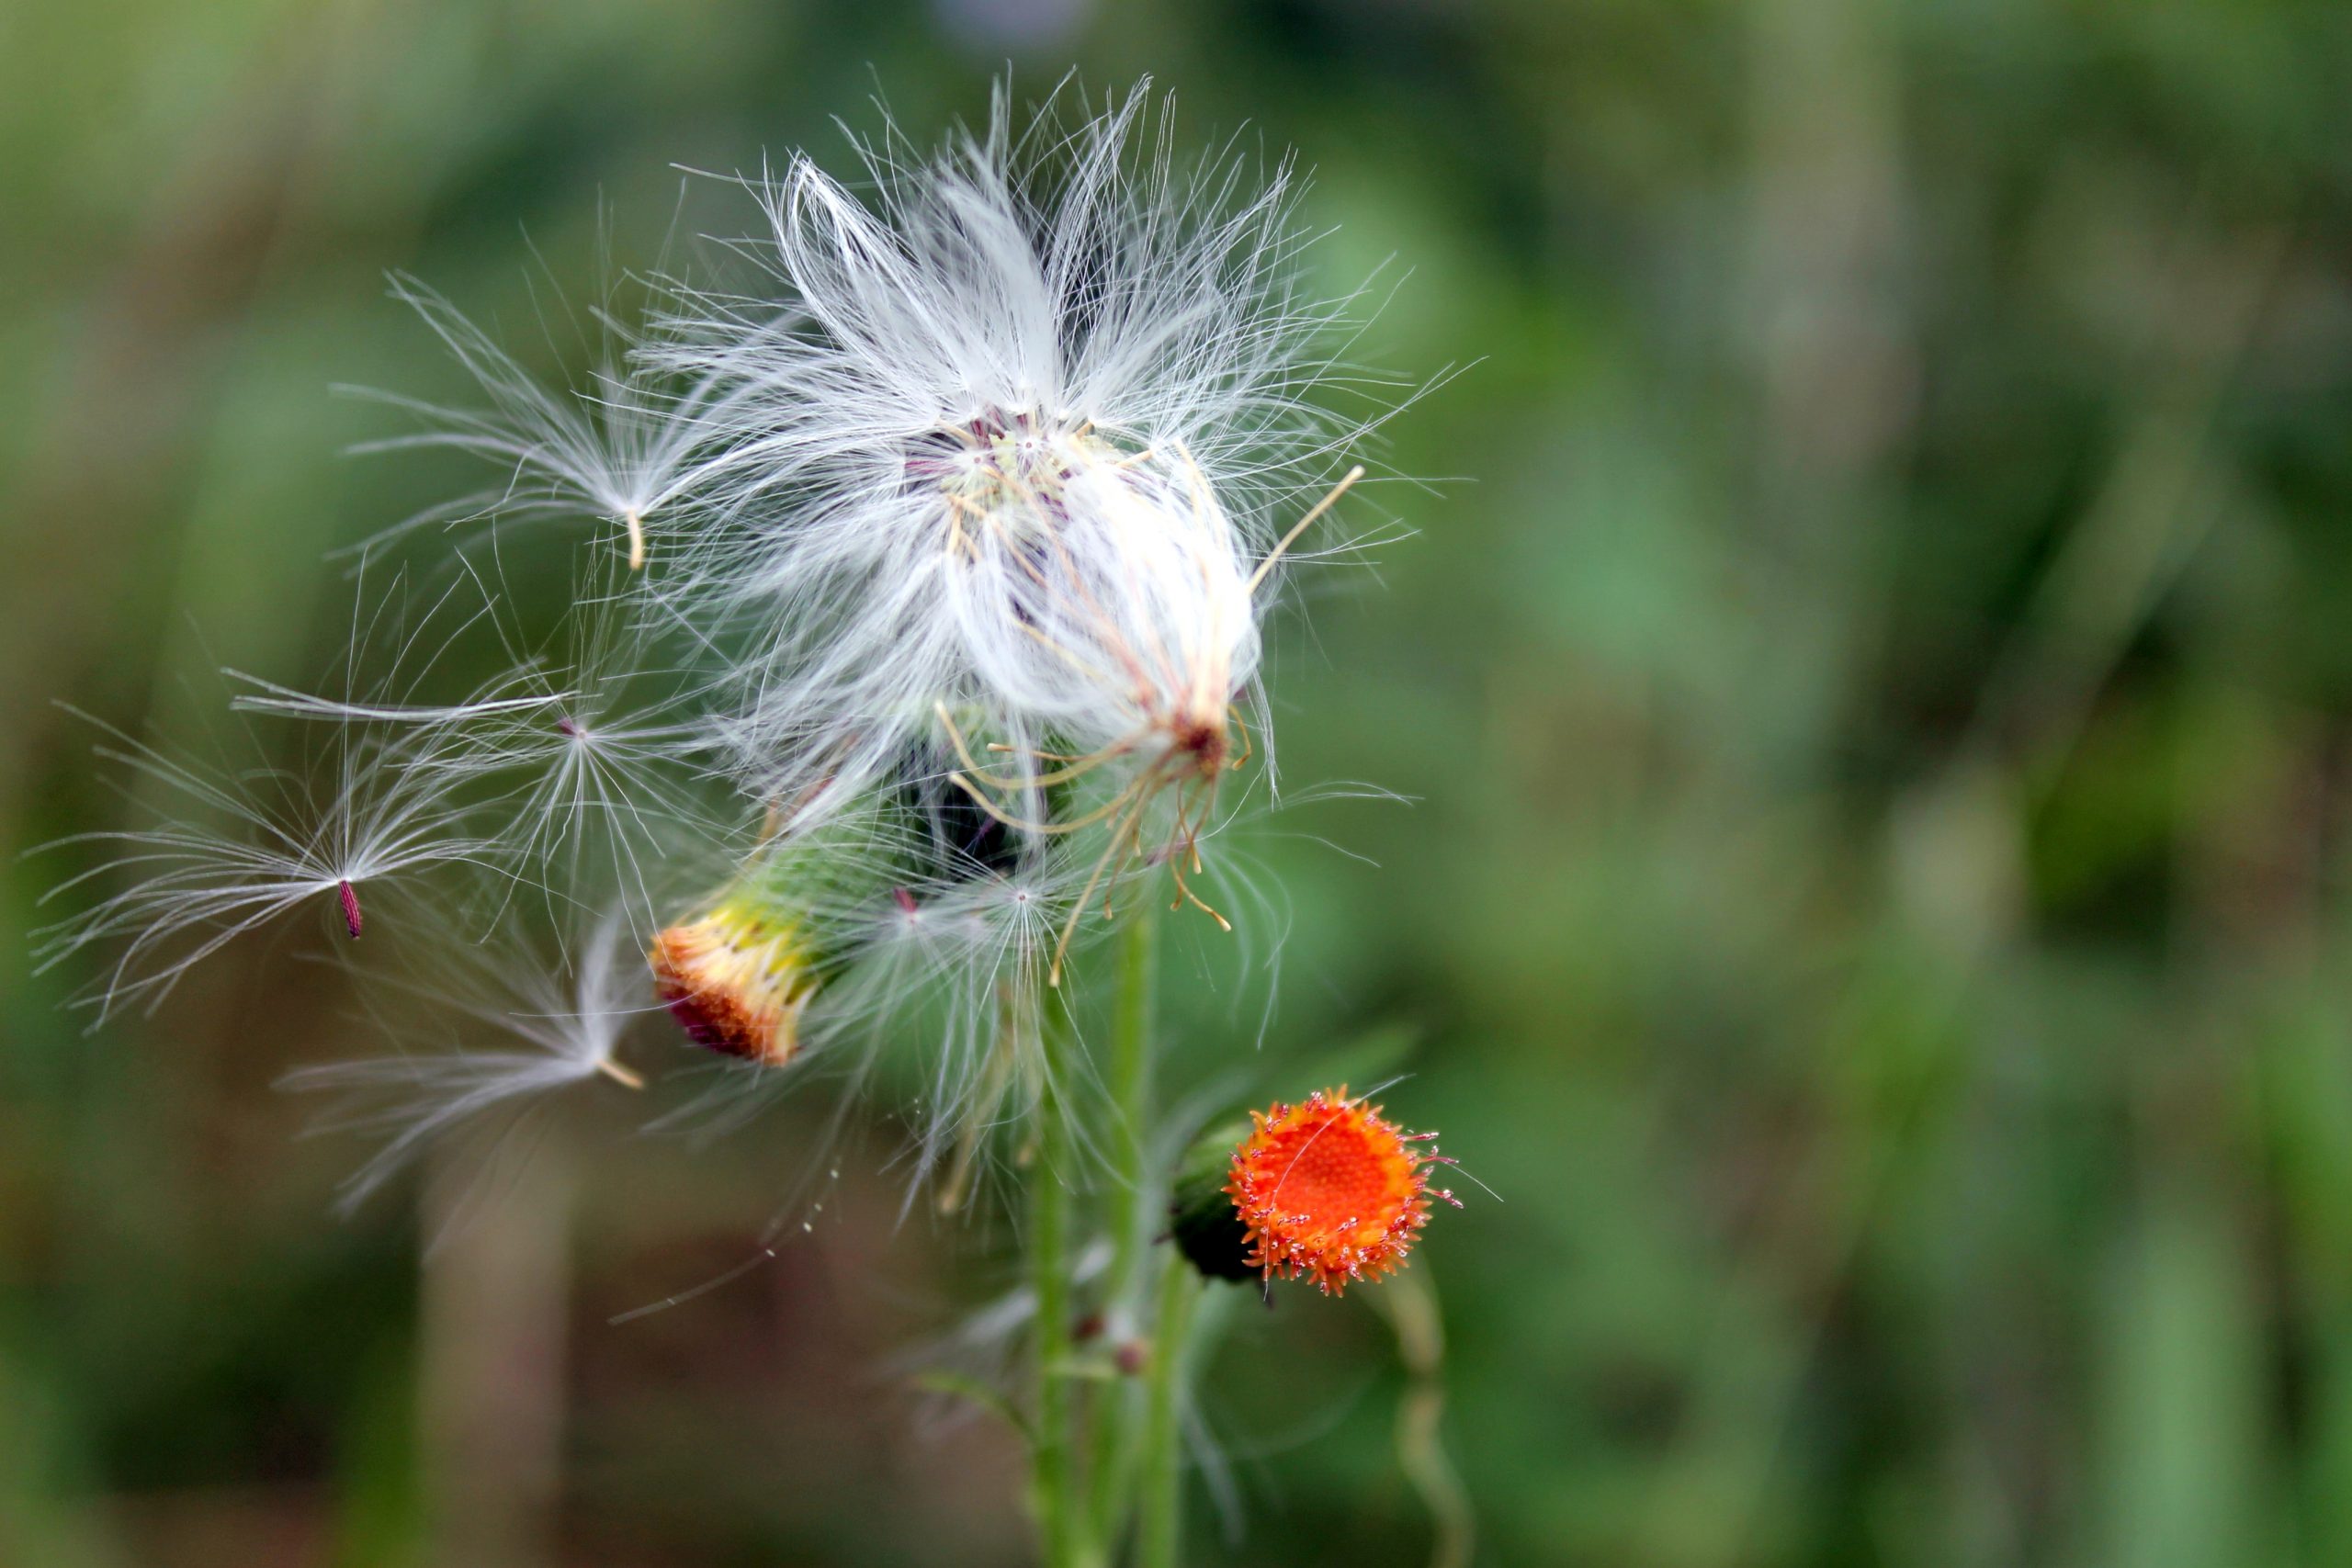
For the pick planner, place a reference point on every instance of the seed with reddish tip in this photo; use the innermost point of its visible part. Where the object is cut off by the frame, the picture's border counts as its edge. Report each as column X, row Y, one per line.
column 350, row 897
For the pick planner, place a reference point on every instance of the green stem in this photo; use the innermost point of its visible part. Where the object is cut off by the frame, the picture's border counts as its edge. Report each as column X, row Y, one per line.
column 1162, row 1503
column 1049, row 1277
column 1130, row 1086
column 1130, row 1093
column 1409, row 1303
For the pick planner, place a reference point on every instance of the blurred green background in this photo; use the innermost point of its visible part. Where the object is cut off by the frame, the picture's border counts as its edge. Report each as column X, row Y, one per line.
column 1875, row 673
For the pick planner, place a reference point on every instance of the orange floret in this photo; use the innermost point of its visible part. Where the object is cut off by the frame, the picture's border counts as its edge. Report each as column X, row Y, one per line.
column 1327, row 1189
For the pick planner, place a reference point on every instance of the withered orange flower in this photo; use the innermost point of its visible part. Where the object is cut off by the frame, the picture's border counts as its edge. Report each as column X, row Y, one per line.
column 736, row 981
column 1328, row 1189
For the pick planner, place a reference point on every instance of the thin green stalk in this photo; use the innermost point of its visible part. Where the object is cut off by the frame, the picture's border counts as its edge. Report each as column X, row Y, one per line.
column 1162, row 1495
column 1131, row 1045
column 1057, row 1517
column 1409, row 1303
column 1130, row 1085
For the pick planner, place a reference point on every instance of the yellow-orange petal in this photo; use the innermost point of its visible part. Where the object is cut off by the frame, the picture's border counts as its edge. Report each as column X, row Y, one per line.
column 1328, row 1190
column 736, row 984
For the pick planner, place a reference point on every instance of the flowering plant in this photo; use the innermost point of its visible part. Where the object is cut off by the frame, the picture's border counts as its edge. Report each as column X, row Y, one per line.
column 917, row 635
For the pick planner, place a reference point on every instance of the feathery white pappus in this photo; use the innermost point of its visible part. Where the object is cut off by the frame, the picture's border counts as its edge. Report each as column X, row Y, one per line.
column 619, row 450
column 233, row 851
column 564, row 1016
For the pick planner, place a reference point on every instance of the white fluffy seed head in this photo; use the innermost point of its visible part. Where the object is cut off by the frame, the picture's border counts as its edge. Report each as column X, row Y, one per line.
column 1101, row 595
column 1011, row 439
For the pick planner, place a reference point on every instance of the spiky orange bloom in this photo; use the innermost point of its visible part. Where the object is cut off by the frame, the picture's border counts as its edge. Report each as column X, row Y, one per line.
column 1327, row 1188
column 736, row 981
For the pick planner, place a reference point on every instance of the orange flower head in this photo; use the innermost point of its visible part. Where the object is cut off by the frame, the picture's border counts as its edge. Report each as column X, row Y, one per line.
column 736, row 980
column 1328, row 1189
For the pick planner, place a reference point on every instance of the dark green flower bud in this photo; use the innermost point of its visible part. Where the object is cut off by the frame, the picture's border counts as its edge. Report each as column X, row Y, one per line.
column 1202, row 1221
